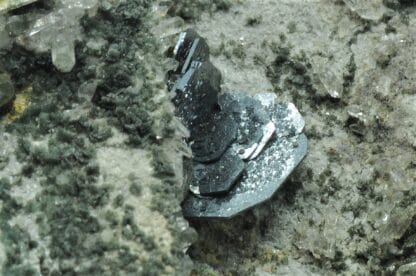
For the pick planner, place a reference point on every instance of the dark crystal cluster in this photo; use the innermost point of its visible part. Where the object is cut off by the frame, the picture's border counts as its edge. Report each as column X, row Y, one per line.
column 243, row 147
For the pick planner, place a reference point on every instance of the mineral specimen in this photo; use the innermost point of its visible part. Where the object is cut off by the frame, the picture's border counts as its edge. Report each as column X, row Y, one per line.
column 244, row 147
column 7, row 5
column 7, row 93
column 56, row 32
column 63, row 54
column 368, row 10
column 4, row 36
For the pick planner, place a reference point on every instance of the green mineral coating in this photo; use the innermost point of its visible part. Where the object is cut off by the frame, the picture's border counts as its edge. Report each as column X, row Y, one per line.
column 254, row 21
column 118, row 201
column 65, row 209
column 17, row 240
column 161, row 163
column 350, row 75
column 131, row 230
column 111, row 218
column 3, row 161
column 135, row 188
column 292, row 73
column 192, row 9
column 7, row 93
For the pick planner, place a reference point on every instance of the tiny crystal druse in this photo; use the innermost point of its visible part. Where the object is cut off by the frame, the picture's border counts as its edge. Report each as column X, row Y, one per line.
column 244, row 147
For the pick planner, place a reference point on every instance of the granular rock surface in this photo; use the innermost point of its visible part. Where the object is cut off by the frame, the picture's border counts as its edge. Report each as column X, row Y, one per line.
column 350, row 69
column 90, row 159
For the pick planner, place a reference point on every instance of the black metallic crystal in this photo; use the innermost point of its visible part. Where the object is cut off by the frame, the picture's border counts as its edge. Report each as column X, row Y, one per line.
column 244, row 147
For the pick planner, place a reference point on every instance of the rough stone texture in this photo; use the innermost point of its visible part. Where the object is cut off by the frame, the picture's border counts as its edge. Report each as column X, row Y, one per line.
column 348, row 209
column 7, row 5
column 56, row 31
column 6, row 92
column 89, row 188
column 349, row 66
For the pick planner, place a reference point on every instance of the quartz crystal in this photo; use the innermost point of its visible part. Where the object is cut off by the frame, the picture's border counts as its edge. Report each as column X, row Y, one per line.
column 332, row 83
column 57, row 32
column 63, row 55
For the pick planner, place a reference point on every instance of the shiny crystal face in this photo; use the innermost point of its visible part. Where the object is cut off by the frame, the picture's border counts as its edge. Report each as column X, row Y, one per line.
column 262, row 175
column 244, row 147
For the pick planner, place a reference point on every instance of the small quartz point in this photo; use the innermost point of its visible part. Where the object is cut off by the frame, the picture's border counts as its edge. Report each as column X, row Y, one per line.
column 331, row 82
column 268, row 131
column 63, row 55
column 57, row 32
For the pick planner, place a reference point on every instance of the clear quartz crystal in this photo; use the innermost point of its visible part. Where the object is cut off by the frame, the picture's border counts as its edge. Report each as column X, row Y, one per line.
column 63, row 55
column 57, row 32
column 332, row 82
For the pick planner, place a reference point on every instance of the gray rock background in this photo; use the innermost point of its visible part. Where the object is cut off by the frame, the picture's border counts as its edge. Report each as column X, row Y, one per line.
column 349, row 67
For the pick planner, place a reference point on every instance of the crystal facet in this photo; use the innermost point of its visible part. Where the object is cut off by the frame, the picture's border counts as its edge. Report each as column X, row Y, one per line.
column 243, row 147
column 57, row 32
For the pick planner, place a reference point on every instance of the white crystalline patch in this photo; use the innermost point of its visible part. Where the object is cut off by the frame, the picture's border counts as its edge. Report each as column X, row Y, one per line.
column 268, row 131
column 180, row 42
column 57, row 31
column 266, row 99
column 84, row 4
column 288, row 166
column 249, row 151
column 194, row 190
column 332, row 83
column 278, row 158
column 295, row 118
column 28, row 190
column 63, row 55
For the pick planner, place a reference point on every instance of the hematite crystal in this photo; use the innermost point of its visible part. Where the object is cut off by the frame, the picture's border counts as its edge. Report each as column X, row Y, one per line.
column 244, row 147
column 210, row 179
